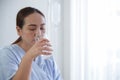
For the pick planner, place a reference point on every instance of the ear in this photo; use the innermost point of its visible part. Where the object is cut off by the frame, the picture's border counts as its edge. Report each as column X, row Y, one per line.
column 19, row 30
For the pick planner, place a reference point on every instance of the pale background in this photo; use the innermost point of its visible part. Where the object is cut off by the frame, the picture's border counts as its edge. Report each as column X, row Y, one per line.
column 85, row 35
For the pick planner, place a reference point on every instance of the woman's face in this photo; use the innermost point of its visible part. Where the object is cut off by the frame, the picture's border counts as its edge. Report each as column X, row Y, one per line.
column 34, row 25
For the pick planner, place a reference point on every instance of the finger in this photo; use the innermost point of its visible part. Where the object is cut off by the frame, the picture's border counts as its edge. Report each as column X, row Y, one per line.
column 47, row 52
column 47, row 48
column 45, row 44
column 44, row 40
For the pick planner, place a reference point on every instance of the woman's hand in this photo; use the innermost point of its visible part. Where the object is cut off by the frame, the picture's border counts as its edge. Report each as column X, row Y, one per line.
column 41, row 47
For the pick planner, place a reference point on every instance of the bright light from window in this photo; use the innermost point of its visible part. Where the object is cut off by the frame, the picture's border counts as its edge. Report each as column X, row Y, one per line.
column 103, row 40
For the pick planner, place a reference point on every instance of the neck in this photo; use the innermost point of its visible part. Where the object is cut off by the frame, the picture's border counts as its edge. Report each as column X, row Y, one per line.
column 24, row 46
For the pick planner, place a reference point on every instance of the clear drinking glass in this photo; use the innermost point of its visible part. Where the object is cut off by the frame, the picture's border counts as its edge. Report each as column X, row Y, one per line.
column 37, row 38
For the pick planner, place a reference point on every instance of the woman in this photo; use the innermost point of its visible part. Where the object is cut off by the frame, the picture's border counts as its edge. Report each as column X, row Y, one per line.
column 22, row 60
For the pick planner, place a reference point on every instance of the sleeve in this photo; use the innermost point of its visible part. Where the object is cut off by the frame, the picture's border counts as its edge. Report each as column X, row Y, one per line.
column 8, row 64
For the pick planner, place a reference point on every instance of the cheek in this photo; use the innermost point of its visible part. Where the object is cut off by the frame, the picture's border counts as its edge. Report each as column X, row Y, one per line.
column 31, row 35
column 28, row 34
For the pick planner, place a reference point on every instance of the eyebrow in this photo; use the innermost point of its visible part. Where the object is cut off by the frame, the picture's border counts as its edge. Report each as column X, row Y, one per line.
column 35, row 24
column 32, row 25
column 43, row 24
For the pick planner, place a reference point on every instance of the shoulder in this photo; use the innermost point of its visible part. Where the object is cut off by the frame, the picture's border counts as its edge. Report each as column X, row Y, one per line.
column 8, row 53
column 8, row 62
column 7, row 50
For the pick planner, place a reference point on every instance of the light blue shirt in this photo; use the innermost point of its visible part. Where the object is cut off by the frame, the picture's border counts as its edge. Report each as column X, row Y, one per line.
column 42, row 69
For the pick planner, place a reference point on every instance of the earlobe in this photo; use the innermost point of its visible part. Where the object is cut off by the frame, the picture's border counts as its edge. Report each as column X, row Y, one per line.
column 18, row 30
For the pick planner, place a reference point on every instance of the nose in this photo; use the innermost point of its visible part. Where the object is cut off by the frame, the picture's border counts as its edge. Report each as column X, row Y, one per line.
column 38, row 33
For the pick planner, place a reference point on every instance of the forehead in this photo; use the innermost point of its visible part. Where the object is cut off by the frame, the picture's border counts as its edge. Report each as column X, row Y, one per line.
column 35, row 18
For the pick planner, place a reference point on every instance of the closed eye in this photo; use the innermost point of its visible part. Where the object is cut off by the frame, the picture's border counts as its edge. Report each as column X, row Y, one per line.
column 42, row 28
column 32, row 29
